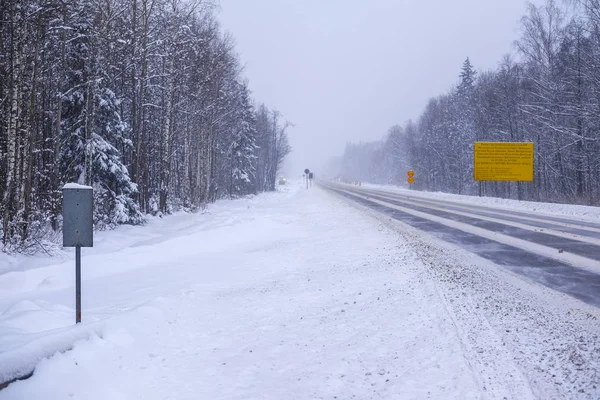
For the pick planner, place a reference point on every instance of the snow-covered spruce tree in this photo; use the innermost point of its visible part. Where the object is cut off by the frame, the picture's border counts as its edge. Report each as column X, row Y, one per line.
column 243, row 147
column 113, row 188
column 91, row 126
column 463, row 127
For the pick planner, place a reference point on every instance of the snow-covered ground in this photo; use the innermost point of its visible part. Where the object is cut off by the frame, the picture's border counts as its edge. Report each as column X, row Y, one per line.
column 289, row 295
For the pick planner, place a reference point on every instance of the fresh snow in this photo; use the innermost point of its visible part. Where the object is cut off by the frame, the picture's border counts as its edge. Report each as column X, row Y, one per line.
column 295, row 294
column 76, row 186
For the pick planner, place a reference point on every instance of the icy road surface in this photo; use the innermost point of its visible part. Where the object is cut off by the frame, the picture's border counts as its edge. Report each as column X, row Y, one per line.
column 559, row 252
column 293, row 295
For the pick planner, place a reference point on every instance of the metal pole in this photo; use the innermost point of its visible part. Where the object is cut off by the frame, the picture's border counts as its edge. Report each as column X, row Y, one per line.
column 479, row 188
column 77, row 284
column 307, row 182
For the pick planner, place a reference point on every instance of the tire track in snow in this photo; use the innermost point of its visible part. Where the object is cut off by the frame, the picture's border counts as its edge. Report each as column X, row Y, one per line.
column 482, row 210
column 533, row 224
column 589, row 249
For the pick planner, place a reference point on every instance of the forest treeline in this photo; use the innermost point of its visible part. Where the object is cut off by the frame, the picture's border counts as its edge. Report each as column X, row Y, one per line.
column 142, row 99
column 548, row 94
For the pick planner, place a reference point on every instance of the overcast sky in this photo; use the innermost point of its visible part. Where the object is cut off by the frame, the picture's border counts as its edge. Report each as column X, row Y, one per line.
column 347, row 70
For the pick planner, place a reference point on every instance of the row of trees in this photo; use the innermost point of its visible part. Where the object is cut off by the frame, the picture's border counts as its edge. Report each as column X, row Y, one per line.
column 142, row 99
column 550, row 96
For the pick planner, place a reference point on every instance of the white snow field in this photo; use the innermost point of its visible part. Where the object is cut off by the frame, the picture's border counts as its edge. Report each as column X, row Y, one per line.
column 289, row 295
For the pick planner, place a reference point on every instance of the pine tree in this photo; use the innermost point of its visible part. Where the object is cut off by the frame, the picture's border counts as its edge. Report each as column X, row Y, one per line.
column 113, row 188
column 243, row 148
column 92, row 126
column 467, row 79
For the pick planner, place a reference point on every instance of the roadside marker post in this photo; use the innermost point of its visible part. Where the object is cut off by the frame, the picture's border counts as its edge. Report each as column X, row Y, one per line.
column 411, row 179
column 307, row 174
column 78, row 230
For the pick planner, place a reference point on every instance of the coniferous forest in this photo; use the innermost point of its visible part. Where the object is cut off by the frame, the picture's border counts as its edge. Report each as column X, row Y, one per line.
column 547, row 93
column 144, row 100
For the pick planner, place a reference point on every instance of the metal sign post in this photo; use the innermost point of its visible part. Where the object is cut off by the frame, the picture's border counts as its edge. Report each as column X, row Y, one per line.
column 307, row 172
column 77, row 284
column 78, row 232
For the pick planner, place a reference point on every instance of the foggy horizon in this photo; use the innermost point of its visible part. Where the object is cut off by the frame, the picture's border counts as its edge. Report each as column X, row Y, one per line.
column 347, row 71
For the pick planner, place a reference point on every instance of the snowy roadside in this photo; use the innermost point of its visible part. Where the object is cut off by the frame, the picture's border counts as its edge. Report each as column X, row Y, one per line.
column 552, row 209
column 37, row 295
column 281, row 296
column 124, row 236
column 552, row 338
column 295, row 295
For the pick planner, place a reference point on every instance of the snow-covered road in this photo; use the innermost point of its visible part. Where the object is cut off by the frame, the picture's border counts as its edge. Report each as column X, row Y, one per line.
column 560, row 252
column 291, row 295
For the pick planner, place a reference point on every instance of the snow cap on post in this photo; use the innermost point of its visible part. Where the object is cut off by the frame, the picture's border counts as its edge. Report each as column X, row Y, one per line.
column 76, row 186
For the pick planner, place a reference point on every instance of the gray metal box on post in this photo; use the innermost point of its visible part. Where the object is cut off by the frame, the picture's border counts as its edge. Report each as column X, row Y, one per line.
column 78, row 210
column 78, row 229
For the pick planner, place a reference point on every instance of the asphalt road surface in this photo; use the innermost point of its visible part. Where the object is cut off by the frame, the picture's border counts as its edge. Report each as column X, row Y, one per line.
column 560, row 253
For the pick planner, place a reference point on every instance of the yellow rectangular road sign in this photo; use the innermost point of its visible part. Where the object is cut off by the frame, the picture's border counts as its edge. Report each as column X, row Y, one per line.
column 503, row 161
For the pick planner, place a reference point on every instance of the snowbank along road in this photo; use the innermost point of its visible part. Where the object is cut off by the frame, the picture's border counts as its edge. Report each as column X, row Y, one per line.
column 561, row 253
column 302, row 294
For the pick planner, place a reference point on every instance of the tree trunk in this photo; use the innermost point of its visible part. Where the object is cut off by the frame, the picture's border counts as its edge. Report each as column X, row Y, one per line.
column 165, row 141
column 31, row 133
column 10, row 199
